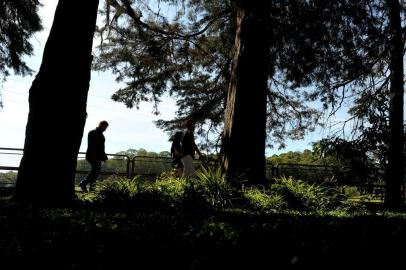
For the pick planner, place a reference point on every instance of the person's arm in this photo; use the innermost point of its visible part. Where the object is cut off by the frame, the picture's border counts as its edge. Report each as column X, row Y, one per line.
column 105, row 158
column 91, row 154
column 101, row 147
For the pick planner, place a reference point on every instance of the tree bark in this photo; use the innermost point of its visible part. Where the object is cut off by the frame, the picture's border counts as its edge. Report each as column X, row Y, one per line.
column 395, row 173
column 57, row 107
column 244, row 137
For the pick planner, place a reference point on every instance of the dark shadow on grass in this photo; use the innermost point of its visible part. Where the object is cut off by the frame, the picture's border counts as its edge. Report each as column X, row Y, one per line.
column 98, row 236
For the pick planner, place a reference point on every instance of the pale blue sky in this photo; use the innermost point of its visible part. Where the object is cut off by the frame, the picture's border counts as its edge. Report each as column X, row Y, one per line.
column 129, row 128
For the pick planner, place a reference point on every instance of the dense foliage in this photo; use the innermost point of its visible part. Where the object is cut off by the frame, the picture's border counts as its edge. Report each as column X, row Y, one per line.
column 210, row 190
column 342, row 50
column 188, row 55
column 19, row 20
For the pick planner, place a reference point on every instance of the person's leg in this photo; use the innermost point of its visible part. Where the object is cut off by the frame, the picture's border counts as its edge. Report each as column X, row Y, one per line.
column 92, row 176
column 85, row 181
column 178, row 168
column 94, row 173
column 188, row 167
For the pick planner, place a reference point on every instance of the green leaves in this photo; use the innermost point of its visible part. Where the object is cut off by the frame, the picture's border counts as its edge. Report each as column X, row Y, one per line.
column 19, row 20
column 189, row 57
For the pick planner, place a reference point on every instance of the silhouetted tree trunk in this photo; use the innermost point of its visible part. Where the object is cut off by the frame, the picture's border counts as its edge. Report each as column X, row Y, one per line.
column 245, row 118
column 57, row 100
column 395, row 173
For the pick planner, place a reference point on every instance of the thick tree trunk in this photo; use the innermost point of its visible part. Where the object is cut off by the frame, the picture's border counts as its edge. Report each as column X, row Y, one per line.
column 245, row 118
column 395, row 173
column 57, row 101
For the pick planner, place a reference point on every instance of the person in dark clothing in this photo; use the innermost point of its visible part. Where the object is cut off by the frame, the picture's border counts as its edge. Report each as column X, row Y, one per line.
column 176, row 153
column 95, row 155
column 189, row 148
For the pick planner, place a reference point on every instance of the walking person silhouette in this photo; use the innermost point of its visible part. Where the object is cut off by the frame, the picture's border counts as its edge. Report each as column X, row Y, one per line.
column 176, row 153
column 189, row 148
column 95, row 155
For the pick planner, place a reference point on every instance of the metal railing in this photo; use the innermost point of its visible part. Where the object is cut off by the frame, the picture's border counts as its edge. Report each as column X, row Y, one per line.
column 10, row 159
column 149, row 167
column 117, row 164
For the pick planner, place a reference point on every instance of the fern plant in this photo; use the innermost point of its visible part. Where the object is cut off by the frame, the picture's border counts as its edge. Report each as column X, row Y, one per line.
column 304, row 196
column 118, row 190
column 264, row 201
column 211, row 187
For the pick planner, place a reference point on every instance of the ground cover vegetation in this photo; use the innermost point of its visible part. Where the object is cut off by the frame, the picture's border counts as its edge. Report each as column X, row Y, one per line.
column 200, row 223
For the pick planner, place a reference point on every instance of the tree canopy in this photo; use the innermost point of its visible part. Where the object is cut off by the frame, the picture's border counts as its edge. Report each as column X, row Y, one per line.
column 188, row 55
column 19, row 20
column 338, row 48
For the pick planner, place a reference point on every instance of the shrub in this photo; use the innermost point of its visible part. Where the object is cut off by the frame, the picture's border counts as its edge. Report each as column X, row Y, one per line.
column 118, row 191
column 168, row 185
column 304, row 196
column 210, row 188
column 260, row 200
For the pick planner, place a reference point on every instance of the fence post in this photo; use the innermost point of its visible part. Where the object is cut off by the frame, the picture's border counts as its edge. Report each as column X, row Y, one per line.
column 128, row 167
column 132, row 167
column 275, row 170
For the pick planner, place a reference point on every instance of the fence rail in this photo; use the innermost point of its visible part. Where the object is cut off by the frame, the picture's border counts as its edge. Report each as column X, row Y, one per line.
column 148, row 167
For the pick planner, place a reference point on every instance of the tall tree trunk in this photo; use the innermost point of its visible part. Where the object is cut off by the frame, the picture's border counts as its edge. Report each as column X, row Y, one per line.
column 395, row 173
column 57, row 101
column 243, row 145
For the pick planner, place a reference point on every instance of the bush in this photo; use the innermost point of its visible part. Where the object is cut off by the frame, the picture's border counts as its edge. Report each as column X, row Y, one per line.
column 209, row 189
column 300, row 195
column 262, row 201
column 168, row 185
column 117, row 191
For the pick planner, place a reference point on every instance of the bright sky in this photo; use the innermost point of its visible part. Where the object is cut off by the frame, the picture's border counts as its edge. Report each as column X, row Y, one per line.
column 129, row 128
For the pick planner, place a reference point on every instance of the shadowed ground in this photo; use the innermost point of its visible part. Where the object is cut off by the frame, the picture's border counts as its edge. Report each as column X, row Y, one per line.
column 88, row 236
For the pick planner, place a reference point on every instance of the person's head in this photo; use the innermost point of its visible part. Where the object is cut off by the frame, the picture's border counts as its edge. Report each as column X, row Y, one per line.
column 103, row 125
